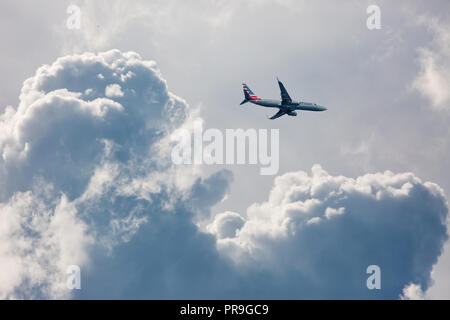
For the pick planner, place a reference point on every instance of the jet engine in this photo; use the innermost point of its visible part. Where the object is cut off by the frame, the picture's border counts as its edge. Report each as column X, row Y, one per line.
column 292, row 113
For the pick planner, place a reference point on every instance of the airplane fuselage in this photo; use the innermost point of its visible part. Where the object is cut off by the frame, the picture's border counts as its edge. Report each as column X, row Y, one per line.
column 294, row 105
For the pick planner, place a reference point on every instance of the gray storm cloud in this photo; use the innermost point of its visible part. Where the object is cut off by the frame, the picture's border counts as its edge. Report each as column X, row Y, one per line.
column 86, row 179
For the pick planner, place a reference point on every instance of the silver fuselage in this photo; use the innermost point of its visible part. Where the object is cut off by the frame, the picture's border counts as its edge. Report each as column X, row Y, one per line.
column 294, row 105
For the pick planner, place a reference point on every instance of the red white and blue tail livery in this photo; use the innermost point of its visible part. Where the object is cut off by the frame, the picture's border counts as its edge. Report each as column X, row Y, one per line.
column 249, row 95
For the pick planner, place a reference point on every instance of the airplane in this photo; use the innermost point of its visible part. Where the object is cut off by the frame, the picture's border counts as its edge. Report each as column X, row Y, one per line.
column 286, row 105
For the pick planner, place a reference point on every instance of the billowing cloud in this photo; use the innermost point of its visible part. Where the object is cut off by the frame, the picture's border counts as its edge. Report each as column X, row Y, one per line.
column 83, row 167
column 65, row 121
column 320, row 232
column 86, row 179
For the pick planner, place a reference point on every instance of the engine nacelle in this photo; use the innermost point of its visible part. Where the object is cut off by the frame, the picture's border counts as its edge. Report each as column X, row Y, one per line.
column 292, row 113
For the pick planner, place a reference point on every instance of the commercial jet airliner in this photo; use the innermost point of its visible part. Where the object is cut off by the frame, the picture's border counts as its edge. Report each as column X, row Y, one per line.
column 286, row 105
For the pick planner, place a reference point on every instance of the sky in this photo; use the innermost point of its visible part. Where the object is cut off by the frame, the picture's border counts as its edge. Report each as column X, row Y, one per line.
column 86, row 178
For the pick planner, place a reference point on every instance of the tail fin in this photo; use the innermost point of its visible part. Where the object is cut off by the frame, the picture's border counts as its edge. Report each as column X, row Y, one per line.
column 249, row 95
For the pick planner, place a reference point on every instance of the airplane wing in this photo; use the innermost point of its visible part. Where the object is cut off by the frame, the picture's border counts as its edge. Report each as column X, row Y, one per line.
column 285, row 98
column 278, row 114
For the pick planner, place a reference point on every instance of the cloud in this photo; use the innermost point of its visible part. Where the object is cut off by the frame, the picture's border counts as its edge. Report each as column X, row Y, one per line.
column 84, row 164
column 86, row 179
column 39, row 240
column 433, row 79
column 320, row 232
column 226, row 224
column 330, row 212
column 65, row 122
column 113, row 91
column 412, row 292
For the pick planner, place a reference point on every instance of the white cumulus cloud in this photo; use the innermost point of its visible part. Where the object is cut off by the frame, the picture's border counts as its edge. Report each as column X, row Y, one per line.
column 113, row 91
column 412, row 292
column 78, row 170
column 321, row 232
